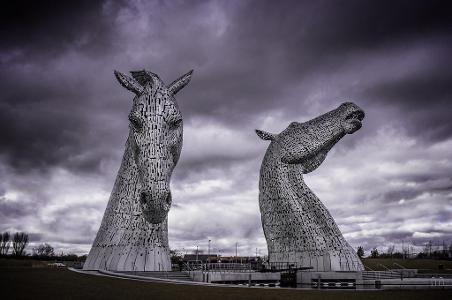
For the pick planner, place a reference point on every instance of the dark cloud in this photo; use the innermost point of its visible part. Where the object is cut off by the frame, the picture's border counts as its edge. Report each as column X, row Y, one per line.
column 423, row 97
column 358, row 24
column 41, row 30
column 13, row 210
column 63, row 116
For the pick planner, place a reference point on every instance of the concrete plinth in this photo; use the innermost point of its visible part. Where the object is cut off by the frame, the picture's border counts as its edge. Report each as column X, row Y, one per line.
column 231, row 277
column 329, row 279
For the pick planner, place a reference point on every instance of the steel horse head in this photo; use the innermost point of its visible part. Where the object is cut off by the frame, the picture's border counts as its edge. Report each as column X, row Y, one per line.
column 155, row 136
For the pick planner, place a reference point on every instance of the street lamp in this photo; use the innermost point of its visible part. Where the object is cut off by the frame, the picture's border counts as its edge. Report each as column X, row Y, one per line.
column 272, row 252
column 196, row 253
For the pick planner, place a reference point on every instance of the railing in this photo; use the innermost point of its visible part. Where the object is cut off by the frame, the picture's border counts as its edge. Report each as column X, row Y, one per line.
column 380, row 274
column 193, row 265
column 398, row 265
column 437, row 281
column 219, row 267
column 387, row 269
column 248, row 267
column 425, row 275
column 230, row 267
column 367, row 267
column 284, row 266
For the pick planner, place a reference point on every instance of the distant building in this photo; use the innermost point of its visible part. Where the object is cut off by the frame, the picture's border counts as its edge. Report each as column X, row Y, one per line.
column 238, row 259
column 212, row 258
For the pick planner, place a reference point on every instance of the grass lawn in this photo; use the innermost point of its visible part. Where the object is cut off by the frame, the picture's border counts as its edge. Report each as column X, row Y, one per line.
column 45, row 283
column 424, row 265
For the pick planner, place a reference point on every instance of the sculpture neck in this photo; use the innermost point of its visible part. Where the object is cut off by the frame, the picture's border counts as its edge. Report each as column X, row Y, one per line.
column 127, row 178
column 284, row 177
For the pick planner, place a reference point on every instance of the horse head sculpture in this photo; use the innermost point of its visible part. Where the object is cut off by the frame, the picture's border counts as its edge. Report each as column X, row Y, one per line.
column 308, row 143
column 133, row 235
column 297, row 226
column 156, row 137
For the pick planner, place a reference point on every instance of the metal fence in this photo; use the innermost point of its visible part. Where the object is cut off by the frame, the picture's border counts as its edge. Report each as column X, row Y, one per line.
column 219, row 267
column 241, row 267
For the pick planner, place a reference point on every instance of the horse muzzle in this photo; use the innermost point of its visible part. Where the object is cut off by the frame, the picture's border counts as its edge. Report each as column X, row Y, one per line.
column 155, row 206
column 353, row 117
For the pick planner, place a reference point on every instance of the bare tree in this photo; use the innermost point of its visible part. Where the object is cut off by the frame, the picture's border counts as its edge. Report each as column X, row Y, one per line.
column 360, row 252
column 405, row 251
column 20, row 241
column 374, row 253
column 43, row 250
column 428, row 249
column 4, row 243
column 390, row 250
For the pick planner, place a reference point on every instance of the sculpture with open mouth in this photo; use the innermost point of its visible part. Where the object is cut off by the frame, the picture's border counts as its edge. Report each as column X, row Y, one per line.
column 297, row 226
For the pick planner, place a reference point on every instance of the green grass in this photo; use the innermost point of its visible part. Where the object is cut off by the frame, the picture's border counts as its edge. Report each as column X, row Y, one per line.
column 46, row 283
column 423, row 265
column 21, row 263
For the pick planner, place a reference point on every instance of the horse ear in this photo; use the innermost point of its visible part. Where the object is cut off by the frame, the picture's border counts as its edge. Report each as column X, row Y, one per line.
column 179, row 83
column 265, row 135
column 129, row 83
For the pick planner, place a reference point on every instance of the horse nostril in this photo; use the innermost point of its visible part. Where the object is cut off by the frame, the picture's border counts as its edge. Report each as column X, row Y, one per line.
column 169, row 199
column 143, row 197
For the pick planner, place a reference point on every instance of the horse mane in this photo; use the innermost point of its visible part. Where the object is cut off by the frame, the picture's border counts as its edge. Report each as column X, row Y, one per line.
column 143, row 76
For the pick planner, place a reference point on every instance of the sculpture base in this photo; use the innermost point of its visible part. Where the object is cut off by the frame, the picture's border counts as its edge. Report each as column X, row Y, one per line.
column 340, row 280
column 129, row 258
column 330, row 261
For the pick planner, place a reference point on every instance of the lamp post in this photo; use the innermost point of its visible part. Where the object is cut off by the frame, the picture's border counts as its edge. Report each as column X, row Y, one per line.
column 272, row 252
column 196, row 253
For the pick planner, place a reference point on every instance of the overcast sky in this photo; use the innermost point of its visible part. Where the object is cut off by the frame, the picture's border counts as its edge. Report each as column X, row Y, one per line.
column 257, row 64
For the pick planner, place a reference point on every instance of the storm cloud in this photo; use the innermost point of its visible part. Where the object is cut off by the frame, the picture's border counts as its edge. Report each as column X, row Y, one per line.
column 258, row 64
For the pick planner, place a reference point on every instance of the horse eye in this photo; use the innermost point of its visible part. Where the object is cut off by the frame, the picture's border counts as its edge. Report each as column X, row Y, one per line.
column 136, row 122
column 177, row 123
